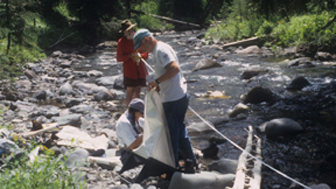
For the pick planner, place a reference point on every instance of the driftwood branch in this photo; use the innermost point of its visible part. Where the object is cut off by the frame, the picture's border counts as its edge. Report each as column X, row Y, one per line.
column 248, row 174
column 168, row 19
column 48, row 127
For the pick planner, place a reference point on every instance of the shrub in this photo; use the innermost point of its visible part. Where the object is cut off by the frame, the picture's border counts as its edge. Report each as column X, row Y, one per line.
column 43, row 173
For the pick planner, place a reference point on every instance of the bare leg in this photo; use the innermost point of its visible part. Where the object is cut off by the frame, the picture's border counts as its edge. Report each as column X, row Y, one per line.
column 129, row 95
column 136, row 93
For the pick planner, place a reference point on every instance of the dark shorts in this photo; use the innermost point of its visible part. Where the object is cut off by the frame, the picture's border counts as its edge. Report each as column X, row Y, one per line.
column 128, row 82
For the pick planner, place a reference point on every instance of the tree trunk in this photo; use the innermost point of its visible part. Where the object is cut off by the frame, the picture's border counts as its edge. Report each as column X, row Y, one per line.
column 8, row 21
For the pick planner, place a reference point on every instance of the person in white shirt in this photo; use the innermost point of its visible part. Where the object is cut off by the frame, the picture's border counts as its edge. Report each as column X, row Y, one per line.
column 173, row 92
column 129, row 128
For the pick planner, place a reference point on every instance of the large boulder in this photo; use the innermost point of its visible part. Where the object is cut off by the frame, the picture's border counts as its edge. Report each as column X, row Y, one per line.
column 298, row 83
column 280, row 126
column 259, row 94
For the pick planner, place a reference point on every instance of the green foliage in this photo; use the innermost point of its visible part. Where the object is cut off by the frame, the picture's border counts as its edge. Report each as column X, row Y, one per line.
column 151, row 23
column 265, row 29
column 305, row 29
column 233, row 30
column 43, row 173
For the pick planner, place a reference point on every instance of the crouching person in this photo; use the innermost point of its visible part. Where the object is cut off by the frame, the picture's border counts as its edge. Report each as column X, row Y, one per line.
column 130, row 128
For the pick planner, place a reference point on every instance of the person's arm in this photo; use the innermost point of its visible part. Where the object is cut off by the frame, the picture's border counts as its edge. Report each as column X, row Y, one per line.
column 171, row 70
column 136, row 143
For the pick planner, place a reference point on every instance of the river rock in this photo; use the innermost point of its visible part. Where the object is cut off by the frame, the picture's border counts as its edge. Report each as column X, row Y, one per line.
column 281, row 126
column 301, row 62
column 69, row 102
column 248, row 74
column 26, row 84
column 77, row 158
column 323, row 56
column 253, row 49
column 298, row 83
column 7, row 146
column 224, row 166
column 258, row 94
column 66, row 89
column 40, row 95
column 82, row 108
column 72, row 119
column 199, row 127
column 238, row 109
column 95, row 73
column 108, row 80
column 206, row 64
column 104, row 95
column 201, row 180
column 320, row 186
column 30, row 74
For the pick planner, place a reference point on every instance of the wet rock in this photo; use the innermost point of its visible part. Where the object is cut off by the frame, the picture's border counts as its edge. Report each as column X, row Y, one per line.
column 259, row 94
column 301, row 62
column 248, row 74
column 40, row 95
column 224, row 166
column 201, row 180
column 298, row 83
column 281, row 126
column 238, row 109
column 206, row 64
column 254, row 49
column 104, row 95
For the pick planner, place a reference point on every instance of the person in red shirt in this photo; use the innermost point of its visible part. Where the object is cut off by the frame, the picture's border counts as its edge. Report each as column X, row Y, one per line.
column 134, row 70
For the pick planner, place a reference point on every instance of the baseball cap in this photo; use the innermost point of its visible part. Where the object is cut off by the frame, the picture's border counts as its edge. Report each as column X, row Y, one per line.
column 138, row 37
column 137, row 104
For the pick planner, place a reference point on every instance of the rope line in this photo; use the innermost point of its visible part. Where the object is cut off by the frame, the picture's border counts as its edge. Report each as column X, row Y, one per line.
column 236, row 145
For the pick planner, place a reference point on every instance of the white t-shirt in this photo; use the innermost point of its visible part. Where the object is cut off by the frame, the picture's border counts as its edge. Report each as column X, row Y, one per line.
column 176, row 87
column 125, row 131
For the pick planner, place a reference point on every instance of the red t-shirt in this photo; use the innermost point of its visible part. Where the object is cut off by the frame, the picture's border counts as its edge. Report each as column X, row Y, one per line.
column 130, row 68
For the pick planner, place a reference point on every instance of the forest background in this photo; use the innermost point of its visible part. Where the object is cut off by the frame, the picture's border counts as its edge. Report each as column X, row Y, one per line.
column 29, row 29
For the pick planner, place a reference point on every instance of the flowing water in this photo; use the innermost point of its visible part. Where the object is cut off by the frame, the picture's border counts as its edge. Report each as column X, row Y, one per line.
column 304, row 157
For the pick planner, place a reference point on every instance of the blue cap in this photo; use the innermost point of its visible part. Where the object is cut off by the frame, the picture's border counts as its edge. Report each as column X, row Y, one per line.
column 138, row 37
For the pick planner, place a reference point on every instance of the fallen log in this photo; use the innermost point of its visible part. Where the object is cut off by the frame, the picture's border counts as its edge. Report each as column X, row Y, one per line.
column 47, row 127
column 243, row 43
column 251, row 180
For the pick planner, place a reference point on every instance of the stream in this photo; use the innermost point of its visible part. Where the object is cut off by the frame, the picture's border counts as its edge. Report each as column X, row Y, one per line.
column 304, row 157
